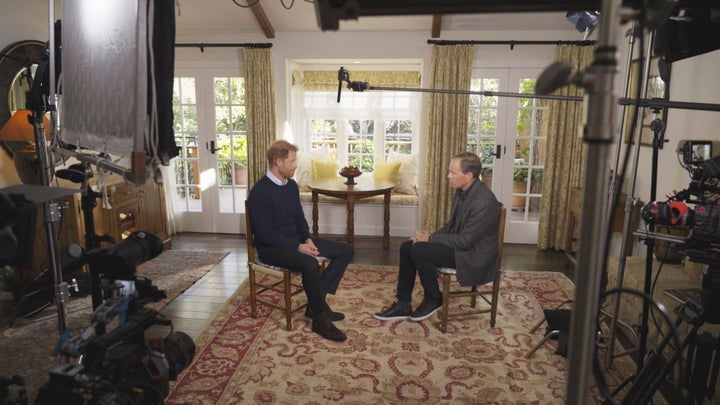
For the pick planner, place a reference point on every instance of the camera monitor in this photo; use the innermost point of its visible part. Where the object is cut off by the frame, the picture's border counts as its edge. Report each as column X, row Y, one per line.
column 698, row 152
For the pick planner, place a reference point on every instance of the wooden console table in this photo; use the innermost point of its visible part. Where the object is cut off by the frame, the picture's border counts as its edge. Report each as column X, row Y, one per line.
column 574, row 214
column 350, row 193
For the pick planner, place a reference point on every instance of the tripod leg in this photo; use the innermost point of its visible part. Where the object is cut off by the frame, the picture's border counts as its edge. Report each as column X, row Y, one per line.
column 715, row 368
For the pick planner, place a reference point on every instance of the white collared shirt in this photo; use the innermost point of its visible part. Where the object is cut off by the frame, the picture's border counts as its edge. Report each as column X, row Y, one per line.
column 274, row 179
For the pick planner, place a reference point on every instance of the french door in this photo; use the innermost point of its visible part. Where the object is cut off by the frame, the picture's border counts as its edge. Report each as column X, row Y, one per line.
column 210, row 174
column 507, row 134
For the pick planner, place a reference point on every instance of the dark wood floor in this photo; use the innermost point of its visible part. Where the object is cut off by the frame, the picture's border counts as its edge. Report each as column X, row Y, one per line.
column 191, row 311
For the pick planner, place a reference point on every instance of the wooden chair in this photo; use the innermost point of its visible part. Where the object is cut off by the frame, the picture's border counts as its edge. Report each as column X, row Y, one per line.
column 447, row 274
column 281, row 280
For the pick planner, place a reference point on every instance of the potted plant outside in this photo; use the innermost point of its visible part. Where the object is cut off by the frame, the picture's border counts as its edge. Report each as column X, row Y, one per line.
column 239, row 157
column 520, row 178
column 486, row 175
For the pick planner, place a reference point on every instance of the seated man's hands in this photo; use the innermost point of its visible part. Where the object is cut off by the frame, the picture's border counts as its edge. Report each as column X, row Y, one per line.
column 421, row 236
column 308, row 248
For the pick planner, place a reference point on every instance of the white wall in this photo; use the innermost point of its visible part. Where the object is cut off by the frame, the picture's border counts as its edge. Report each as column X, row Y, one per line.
column 693, row 80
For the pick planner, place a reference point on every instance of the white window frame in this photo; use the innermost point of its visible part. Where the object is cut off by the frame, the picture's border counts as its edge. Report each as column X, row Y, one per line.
column 362, row 106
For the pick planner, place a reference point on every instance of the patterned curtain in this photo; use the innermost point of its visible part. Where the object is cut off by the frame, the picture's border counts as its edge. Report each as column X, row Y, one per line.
column 447, row 127
column 564, row 167
column 260, row 109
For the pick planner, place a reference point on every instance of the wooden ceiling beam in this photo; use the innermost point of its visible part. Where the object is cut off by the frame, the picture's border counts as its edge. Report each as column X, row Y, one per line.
column 262, row 20
column 436, row 26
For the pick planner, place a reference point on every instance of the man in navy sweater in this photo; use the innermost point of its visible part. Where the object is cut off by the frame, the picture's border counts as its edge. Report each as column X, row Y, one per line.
column 283, row 238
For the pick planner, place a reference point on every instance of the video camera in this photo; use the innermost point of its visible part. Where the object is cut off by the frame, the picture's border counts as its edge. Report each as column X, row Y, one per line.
column 120, row 366
column 702, row 160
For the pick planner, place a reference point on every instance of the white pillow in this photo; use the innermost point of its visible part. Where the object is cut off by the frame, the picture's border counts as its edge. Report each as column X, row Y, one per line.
column 406, row 181
column 303, row 172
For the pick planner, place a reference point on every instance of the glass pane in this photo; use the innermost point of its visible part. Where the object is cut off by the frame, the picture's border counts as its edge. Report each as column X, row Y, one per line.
column 238, row 119
column 194, row 203
column 237, row 84
column 223, row 145
column 540, row 151
column 489, row 122
column 193, row 172
column 225, row 173
column 522, row 151
column 225, row 200
column 179, row 166
column 177, row 121
column 533, row 209
column 240, row 197
column 240, row 151
column 189, row 118
column 181, row 192
column 473, row 124
column 536, row 179
column 220, row 84
column 487, row 148
column 187, row 90
column 191, row 151
column 360, row 145
column 222, row 118
column 524, row 122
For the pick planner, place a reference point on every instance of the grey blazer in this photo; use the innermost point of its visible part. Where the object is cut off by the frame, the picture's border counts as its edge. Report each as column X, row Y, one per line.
column 472, row 232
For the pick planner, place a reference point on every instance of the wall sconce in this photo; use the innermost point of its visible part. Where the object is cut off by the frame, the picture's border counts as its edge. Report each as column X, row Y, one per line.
column 19, row 129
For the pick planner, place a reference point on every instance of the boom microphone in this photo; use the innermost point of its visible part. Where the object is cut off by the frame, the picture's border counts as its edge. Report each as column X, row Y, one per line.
column 340, row 80
column 553, row 77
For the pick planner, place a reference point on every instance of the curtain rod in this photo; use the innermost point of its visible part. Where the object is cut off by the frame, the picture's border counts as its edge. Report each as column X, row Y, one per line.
column 511, row 42
column 202, row 46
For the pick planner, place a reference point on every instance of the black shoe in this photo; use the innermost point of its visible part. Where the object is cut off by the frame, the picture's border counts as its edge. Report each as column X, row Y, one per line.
column 392, row 313
column 322, row 326
column 334, row 316
column 425, row 310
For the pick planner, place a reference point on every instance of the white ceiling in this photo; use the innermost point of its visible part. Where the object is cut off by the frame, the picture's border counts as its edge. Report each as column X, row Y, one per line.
column 203, row 20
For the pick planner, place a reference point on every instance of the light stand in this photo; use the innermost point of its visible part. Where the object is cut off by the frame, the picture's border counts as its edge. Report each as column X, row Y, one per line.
column 629, row 206
column 36, row 103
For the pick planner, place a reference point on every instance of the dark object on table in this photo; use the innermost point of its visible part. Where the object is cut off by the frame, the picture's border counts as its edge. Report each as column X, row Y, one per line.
column 350, row 172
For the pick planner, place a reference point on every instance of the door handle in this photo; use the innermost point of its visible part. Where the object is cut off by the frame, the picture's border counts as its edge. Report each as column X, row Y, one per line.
column 212, row 147
column 497, row 153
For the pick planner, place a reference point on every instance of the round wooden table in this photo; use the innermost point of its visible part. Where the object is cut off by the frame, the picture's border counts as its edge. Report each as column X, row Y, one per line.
column 365, row 187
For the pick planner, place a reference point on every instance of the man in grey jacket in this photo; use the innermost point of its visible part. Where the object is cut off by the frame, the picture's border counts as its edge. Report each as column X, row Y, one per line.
column 468, row 243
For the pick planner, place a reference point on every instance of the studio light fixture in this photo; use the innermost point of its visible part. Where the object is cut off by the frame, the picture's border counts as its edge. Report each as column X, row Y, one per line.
column 584, row 21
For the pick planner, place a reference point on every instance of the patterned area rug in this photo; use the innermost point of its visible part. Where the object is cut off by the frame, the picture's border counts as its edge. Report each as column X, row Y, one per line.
column 26, row 349
column 244, row 360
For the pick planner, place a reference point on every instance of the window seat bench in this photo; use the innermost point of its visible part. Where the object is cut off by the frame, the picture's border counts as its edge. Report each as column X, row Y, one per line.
column 395, row 199
column 369, row 213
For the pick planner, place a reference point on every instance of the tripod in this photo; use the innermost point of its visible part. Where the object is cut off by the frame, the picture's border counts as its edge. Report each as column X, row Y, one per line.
column 701, row 371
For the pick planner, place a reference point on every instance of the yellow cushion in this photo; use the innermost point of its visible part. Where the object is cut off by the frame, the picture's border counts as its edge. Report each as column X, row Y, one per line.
column 386, row 171
column 325, row 169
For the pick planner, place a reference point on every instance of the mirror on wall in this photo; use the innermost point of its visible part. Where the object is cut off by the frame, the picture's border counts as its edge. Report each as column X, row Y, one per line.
column 15, row 59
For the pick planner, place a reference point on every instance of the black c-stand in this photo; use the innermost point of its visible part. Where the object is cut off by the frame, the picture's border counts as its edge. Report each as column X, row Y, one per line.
column 697, row 308
column 82, row 173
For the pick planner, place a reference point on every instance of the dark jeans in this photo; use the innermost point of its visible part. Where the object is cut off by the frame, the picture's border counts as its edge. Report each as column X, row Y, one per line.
column 315, row 286
column 422, row 258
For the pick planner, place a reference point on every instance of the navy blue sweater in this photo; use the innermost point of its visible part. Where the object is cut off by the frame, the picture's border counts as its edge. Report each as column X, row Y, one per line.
column 276, row 214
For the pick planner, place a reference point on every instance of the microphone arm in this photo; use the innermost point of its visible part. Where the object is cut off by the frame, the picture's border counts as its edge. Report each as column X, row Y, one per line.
column 342, row 73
